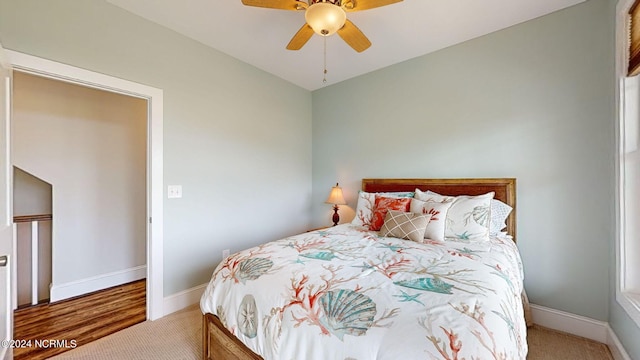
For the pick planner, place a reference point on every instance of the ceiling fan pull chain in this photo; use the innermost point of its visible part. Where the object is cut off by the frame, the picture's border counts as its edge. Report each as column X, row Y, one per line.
column 324, row 79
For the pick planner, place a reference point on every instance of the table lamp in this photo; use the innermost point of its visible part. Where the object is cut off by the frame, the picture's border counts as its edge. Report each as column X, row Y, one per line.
column 336, row 198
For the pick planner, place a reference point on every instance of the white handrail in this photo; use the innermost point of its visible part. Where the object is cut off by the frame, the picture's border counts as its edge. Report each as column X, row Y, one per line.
column 35, row 221
column 34, row 262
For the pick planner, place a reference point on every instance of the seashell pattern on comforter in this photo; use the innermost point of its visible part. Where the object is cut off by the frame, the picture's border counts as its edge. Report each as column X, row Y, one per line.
column 346, row 292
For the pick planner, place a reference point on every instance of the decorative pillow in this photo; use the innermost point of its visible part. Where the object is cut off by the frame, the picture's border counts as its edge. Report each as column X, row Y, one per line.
column 431, row 196
column 366, row 203
column 383, row 205
column 469, row 217
column 438, row 213
column 499, row 214
column 405, row 225
column 499, row 210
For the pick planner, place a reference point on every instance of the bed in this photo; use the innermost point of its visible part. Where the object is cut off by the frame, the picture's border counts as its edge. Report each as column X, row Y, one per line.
column 349, row 292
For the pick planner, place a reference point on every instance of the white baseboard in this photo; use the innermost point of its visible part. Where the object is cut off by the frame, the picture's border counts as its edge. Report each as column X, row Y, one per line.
column 580, row 326
column 570, row 323
column 615, row 346
column 183, row 299
column 95, row 283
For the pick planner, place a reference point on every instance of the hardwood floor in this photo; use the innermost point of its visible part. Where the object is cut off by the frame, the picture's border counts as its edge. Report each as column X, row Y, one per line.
column 61, row 326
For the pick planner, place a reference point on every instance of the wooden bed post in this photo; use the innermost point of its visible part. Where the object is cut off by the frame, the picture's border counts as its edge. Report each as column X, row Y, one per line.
column 219, row 344
column 206, row 355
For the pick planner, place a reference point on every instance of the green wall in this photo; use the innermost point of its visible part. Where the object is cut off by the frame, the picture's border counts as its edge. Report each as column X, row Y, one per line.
column 534, row 102
column 236, row 138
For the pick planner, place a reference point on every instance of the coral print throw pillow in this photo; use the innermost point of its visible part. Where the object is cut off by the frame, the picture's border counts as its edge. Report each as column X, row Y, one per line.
column 383, row 205
column 438, row 215
column 366, row 204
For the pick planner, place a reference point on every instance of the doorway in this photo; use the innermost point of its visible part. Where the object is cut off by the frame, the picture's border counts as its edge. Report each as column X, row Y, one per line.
column 154, row 97
column 89, row 147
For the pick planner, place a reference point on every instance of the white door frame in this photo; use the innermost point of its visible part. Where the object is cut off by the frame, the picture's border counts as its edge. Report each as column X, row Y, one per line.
column 154, row 96
column 6, row 312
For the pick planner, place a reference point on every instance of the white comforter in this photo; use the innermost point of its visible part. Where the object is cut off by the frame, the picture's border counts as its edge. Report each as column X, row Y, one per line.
column 346, row 293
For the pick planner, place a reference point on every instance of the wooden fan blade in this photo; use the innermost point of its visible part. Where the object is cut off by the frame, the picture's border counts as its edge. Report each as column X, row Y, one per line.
column 357, row 5
column 300, row 38
column 354, row 37
column 277, row 4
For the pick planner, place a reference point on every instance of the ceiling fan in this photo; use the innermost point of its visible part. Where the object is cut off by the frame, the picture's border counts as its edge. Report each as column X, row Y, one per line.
column 325, row 17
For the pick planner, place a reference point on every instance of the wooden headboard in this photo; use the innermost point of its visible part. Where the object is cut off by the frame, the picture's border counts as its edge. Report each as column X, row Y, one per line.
column 505, row 189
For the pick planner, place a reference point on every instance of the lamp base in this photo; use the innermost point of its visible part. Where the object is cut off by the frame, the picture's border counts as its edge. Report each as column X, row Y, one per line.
column 336, row 217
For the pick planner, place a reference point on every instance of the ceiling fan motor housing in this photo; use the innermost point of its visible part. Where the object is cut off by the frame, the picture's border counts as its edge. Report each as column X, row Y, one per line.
column 325, row 16
column 334, row 2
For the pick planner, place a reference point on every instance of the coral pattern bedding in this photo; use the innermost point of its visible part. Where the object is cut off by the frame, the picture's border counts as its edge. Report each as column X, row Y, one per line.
column 347, row 293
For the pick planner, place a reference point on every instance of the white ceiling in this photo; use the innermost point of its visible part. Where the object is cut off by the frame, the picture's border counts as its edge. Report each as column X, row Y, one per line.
column 398, row 32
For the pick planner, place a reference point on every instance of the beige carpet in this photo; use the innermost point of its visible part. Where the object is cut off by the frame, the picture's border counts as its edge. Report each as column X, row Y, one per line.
column 547, row 344
column 178, row 336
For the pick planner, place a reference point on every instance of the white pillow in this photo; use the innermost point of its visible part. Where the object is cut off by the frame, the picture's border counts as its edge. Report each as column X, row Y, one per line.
column 499, row 214
column 499, row 210
column 366, row 204
column 431, row 196
column 438, row 212
column 469, row 217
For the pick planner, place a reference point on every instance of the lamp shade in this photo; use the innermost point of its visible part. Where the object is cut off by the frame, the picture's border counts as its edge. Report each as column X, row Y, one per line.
column 325, row 18
column 335, row 196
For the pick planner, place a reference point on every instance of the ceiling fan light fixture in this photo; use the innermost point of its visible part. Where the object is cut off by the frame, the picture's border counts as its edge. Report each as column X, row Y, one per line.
column 325, row 18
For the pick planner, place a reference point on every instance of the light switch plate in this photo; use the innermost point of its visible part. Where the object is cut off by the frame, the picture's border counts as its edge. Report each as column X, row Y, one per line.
column 174, row 191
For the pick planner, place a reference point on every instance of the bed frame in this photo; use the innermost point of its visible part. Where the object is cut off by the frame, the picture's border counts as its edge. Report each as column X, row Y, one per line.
column 219, row 344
